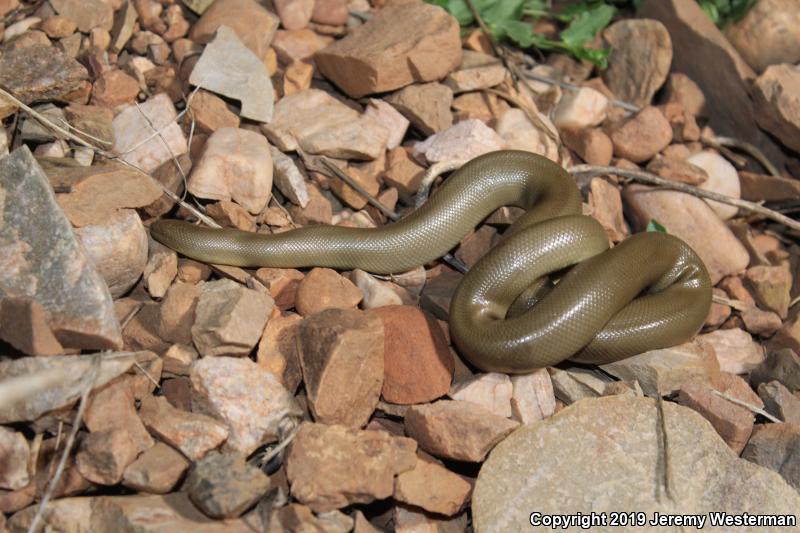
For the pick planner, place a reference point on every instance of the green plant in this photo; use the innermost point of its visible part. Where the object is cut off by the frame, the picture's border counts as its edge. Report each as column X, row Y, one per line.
column 504, row 20
column 725, row 12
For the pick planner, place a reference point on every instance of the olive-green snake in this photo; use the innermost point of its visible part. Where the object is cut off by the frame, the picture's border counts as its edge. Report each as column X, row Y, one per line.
column 650, row 291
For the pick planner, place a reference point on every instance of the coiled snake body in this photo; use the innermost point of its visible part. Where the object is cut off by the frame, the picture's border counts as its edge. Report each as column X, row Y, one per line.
column 650, row 291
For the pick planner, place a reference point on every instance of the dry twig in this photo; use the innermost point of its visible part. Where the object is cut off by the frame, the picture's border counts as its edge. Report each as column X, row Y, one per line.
column 749, row 406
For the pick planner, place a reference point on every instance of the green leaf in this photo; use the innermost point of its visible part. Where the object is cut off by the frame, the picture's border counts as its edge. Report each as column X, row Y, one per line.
column 505, row 10
column 519, row 32
column 597, row 57
column 653, row 225
column 587, row 23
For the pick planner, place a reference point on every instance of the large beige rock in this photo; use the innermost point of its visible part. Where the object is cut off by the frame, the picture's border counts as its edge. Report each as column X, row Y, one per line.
column 777, row 104
column 641, row 54
column 401, row 43
column 768, row 34
column 692, row 220
column 236, row 165
column 722, row 179
column 607, row 454
column 254, row 25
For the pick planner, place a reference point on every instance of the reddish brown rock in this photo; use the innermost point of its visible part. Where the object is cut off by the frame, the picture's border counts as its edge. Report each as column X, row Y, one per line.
column 342, row 356
column 298, row 45
column 225, row 485
column 759, row 322
column 323, row 288
column 254, row 25
column 229, row 318
column 605, row 202
column 114, row 88
column 492, row 390
column 676, row 169
column 475, row 245
column 402, row 43
column 211, row 112
column 317, row 211
column 456, row 430
column 780, row 365
column 282, row 284
column 438, row 292
column 178, row 360
column 737, row 351
column 433, row 488
column 360, row 465
column 278, row 350
column 156, row 471
column 294, row 14
column 591, row 144
column 330, row 12
column 177, row 312
column 770, row 287
column 733, row 422
column 403, row 173
column 103, row 456
column 58, row 27
column 780, row 402
column 230, row 215
column 418, row 366
column 23, row 324
column 193, row 434
column 775, row 446
column 718, row 313
column 426, row 105
column 642, row 136
column 16, row 455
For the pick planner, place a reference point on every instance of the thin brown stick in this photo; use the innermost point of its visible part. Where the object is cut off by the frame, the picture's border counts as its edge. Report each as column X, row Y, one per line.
column 652, row 179
column 750, row 149
column 342, row 175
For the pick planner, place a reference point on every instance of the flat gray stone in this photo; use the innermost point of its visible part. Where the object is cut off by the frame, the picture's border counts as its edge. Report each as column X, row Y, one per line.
column 608, row 455
column 40, row 259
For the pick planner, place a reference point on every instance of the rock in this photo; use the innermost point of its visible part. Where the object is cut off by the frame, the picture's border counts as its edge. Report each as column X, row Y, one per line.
column 44, row 262
column 722, row 179
column 463, row 141
column 692, row 220
column 360, row 465
column 438, row 292
column 563, row 448
column 640, row 59
column 323, row 288
column 492, row 391
column 456, row 430
column 139, row 512
column 780, row 402
column 88, row 14
column 288, row 178
column 393, row 49
column 433, row 488
column 759, row 322
column 160, row 270
column 229, row 318
column 366, row 176
column 112, row 407
column 418, row 366
column 230, row 215
column 118, row 249
column 379, row 293
column 224, row 485
column 318, row 210
column 532, row 397
column 605, row 202
column 388, row 117
column 403, row 173
column 330, row 12
column 7, row 6
column 575, row 384
column 294, row 14
column 58, row 27
column 156, row 470
column 763, row 187
column 134, row 125
column 114, row 89
column 341, row 354
column 681, row 89
column 477, row 71
column 676, row 169
column 767, row 34
column 194, row 434
column 253, row 24
column 178, row 360
column 282, row 284
column 520, row 133
column 229, row 67
column 736, row 350
column 103, row 456
column 733, row 422
column 236, row 164
column 779, row 365
column 662, row 372
column 317, row 123
column 642, row 136
column 16, row 455
column 98, row 192
column 299, row 45
column 296, row 517
column 702, row 53
column 211, row 113
column 250, row 401
column 408, row 519
column 777, row 110
column 177, row 312
column 591, row 144
column 426, row 105
column 770, row 287
column 582, row 108
column 775, row 446
column 278, row 350
column 481, row 105
column 684, row 125
column 718, row 313
column 38, row 73
column 23, row 325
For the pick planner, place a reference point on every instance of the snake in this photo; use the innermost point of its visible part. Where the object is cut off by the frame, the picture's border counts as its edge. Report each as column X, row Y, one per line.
column 550, row 290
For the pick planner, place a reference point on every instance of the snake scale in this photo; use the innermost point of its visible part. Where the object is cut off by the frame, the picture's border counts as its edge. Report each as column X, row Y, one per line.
column 650, row 291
